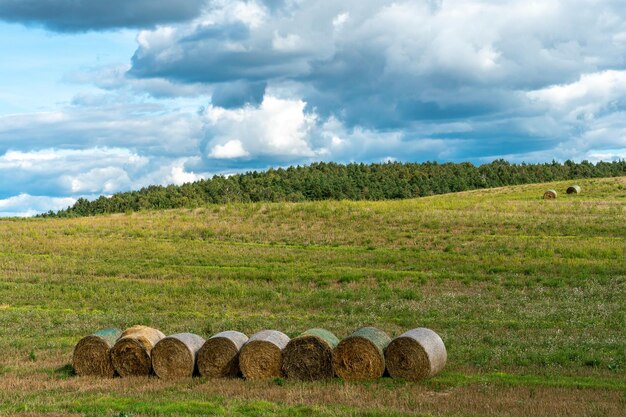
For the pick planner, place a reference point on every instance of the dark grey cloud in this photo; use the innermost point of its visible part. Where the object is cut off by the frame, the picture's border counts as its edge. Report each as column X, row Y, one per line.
column 393, row 63
column 237, row 94
column 210, row 55
column 466, row 74
column 92, row 15
column 250, row 84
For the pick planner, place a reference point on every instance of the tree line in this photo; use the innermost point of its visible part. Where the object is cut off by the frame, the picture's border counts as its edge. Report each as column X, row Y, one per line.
column 333, row 181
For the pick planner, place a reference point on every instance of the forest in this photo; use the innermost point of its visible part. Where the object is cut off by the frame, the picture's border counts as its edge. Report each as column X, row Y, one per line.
column 333, row 181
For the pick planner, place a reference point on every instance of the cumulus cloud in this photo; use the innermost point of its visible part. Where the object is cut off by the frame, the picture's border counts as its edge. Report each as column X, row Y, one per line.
column 179, row 176
column 231, row 149
column 165, row 171
column 278, row 128
column 413, row 67
column 230, row 85
column 69, row 171
column 585, row 98
column 86, row 15
column 105, row 180
column 25, row 205
column 378, row 63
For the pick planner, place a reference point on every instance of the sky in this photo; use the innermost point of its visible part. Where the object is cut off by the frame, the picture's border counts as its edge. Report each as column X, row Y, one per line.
column 102, row 97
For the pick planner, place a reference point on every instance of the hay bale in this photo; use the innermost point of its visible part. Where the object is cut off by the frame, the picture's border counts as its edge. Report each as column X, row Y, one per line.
column 573, row 189
column 92, row 353
column 361, row 356
column 131, row 353
column 309, row 356
column 175, row 356
column 219, row 356
column 416, row 354
column 549, row 195
column 262, row 356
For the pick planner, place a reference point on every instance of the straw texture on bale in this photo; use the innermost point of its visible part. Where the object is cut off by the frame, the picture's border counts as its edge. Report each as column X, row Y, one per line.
column 131, row 353
column 361, row 356
column 549, row 195
column 309, row 356
column 574, row 189
column 262, row 356
column 219, row 356
column 416, row 354
column 175, row 356
column 92, row 354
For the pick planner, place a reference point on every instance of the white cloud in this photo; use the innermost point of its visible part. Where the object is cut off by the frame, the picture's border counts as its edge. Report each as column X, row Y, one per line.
column 25, row 205
column 89, row 171
column 165, row 171
column 248, row 12
column 108, row 120
column 106, row 180
column 584, row 119
column 606, row 155
column 54, row 160
column 341, row 20
column 353, row 144
column 157, row 38
column 289, row 42
column 291, row 81
column 229, row 150
column 179, row 176
column 585, row 97
column 277, row 127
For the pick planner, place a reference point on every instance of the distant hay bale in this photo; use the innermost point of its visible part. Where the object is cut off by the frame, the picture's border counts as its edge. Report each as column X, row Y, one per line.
column 175, row 356
column 92, row 354
column 549, row 195
column 361, row 356
column 309, row 356
column 416, row 354
column 131, row 353
column 573, row 189
column 219, row 356
column 262, row 356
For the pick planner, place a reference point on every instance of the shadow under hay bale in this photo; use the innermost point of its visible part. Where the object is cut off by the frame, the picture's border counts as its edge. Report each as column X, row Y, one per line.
column 92, row 354
column 131, row 353
column 309, row 356
column 416, row 354
column 219, row 356
column 175, row 356
column 361, row 356
column 573, row 189
column 549, row 195
column 262, row 356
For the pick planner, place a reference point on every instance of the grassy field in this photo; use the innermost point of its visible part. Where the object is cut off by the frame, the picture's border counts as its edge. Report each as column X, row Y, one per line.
column 528, row 295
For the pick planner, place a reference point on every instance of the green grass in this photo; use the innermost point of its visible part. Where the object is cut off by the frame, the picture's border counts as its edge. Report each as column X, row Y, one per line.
column 527, row 294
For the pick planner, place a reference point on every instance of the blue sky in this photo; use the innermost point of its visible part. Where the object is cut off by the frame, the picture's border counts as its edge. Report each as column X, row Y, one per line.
column 100, row 97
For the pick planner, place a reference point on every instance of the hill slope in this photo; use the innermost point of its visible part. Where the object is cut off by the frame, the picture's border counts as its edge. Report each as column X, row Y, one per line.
column 331, row 181
column 527, row 294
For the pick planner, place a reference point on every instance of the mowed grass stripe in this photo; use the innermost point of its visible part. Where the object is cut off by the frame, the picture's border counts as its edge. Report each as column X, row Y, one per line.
column 525, row 293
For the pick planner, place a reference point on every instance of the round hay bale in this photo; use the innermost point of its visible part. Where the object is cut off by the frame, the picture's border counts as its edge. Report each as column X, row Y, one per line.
column 131, row 353
column 573, row 189
column 309, row 357
column 549, row 195
column 416, row 354
column 219, row 356
column 175, row 356
column 92, row 354
column 262, row 356
column 361, row 356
